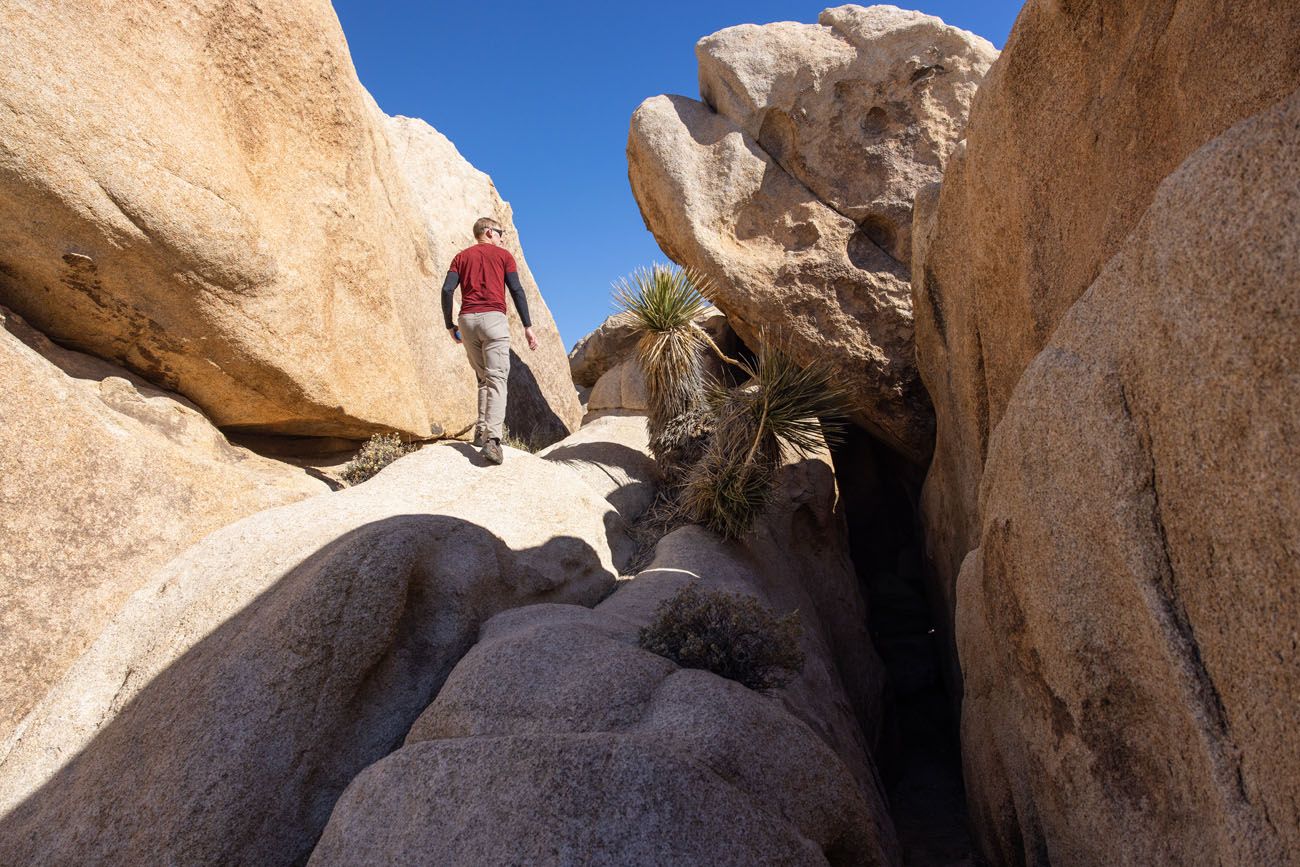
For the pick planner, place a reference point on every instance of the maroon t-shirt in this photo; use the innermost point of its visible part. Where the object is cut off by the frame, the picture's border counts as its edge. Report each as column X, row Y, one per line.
column 482, row 270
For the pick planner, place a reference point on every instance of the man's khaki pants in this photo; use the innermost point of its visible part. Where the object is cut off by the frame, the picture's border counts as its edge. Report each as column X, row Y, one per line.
column 487, row 343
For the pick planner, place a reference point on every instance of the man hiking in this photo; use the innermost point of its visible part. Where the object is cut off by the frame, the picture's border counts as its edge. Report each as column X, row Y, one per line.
column 483, row 272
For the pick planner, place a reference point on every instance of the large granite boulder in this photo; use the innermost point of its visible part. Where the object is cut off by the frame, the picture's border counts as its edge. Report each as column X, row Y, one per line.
column 1128, row 625
column 204, row 193
column 558, row 740
column 794, row 198
column 221, row 713
column 103, row 479
column 861, row 107
column 782, row 264
column 1088, row 108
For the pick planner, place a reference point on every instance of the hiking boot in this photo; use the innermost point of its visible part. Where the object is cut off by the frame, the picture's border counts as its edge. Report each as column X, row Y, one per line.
column 480, row 438
column 492, row 451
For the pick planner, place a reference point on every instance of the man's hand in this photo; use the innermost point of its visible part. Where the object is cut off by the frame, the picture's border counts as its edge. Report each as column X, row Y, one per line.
column 532, row 338
column 455, row 334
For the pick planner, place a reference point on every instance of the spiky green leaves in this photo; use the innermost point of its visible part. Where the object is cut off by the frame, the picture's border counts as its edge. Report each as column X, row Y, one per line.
column 784, row 406
column 662, row 302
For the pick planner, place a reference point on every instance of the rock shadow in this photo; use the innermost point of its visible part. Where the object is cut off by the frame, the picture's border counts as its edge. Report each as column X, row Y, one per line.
column 528, row 414
column 627, row 498
column 236, row 750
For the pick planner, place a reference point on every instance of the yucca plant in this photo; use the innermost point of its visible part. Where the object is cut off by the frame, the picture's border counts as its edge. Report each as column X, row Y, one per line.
column 662, row 302
column 784, row 407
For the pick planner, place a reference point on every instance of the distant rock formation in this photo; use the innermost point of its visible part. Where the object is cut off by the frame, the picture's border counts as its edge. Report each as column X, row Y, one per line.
column 792, row 189
column 605, row 361
column 205, row 194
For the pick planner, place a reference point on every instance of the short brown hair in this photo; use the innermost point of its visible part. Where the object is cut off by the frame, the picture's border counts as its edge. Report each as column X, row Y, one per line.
column 482, row 224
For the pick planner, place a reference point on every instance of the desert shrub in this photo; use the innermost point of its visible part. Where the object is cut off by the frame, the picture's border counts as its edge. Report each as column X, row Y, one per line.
column 520, row 441
column 380, row 451
column 728, row 634
column 783, row 408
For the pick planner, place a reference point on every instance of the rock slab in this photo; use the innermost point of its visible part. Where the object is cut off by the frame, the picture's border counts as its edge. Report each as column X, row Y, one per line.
column 103, row 479
column 1088, row 109
column 557, row 740
column 269, row 664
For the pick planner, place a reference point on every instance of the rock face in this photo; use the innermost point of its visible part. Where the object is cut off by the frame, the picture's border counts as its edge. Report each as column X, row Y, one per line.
column 104, row 479
column 1128, row 624
column 1089, row 107
column 268, row 257
column 862, row 107
column 557, row 734
column 622, row 387
column 781, row 257
column 610, row 452
column 276, row 659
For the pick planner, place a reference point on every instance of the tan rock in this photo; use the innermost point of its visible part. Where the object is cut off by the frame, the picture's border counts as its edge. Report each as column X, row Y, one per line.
column 103, row 479
column 780, row 259
column 1088, row 108
column 862, row 107
column 556, row 733
column 1128, row 625
column 611, row 454
column 621, row 387
column 223, row 711
column 206, row 195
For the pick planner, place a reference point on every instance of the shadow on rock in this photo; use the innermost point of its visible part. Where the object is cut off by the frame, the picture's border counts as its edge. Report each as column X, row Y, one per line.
column 236, row 749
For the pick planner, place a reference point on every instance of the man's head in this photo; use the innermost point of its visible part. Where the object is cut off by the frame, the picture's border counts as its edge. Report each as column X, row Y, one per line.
column 487, row 230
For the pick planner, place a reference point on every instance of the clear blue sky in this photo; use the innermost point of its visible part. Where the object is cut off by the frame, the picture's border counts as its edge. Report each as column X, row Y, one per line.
column 539, row 95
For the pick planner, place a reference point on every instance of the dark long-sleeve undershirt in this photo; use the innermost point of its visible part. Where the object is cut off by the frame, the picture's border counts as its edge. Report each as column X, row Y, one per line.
column 512, row 283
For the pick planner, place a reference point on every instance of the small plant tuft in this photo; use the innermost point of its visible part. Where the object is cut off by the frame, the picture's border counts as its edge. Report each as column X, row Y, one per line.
column 521, row 442
column 380, row 451
column 731, row 635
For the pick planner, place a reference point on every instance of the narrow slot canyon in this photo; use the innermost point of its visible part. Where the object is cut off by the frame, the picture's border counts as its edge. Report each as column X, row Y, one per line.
column 919, row 753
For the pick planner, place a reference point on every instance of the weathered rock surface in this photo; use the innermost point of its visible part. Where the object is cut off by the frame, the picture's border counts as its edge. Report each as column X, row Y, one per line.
column 1088, row 108
column 573, row 745
column 862, row 107
column 223, row 711
column 621, row 387
column 103, row 479
column 611, row 454
column 779, row 259
column 1128, row 625
column 206, row 195
column 450, row 195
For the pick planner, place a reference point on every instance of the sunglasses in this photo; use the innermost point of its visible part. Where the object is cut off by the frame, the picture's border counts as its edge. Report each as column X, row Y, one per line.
column 500, row 233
